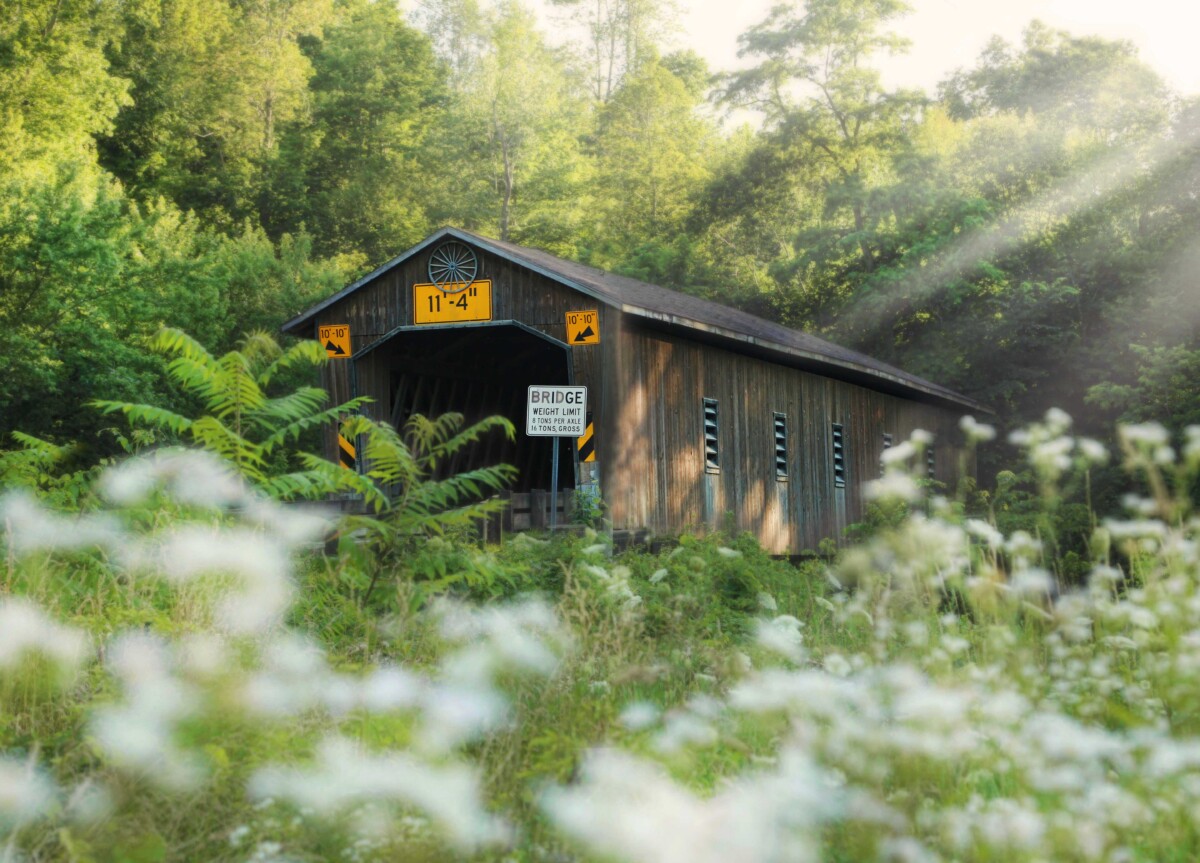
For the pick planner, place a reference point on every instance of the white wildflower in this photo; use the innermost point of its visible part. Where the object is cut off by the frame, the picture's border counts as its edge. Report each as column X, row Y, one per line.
column 976, row 432
column 837, row 665
column 629, row 809
column 1148, row 435
column 899, row 453
column 1137, row 504
column 987, row 532
column 390, row 688
column 1053, row 455
column 89, row 803
column 523, row 636
column 138, row 733
column 1104, row 577
column 729, row 553
column 658, row 575
column 1120, row 642
column 1057, row 420
column 895, row 485
column 262, row 590
column 33, row 527
column 1022, row 545
column 26, row 631
column 954, row 645
column 344, row 776
column 455, row 714
column 639, row 715
column 293, row 525
column 684, row 728
column 921, row 438
column 767, row 602
column 1092, row 450
column 26, row 793
column 189, row 476
column 782, row 636
column 1032, row 581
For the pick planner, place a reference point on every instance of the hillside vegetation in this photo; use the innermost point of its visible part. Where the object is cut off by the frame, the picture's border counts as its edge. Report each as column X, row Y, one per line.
column 185, row 675
column 197, row 662
column 1025, row 234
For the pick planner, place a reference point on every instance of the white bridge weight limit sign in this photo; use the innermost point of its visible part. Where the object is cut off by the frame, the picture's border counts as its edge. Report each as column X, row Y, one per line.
column 553, row 411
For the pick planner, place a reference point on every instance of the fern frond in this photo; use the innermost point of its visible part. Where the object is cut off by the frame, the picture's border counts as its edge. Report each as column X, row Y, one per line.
column 423, row 433
column 42, row 449
column 172, row 341
column 341, row 480
column 259, row 347
column 294, row 406
column 459, row 516
column 389, row 456
column 149, row 415
column 312, row 484
column 238, row 388
column 297, row 427
column 195, row 376
column 470, row 435
column 214, row 436
column 435, row 495
column 305, row 352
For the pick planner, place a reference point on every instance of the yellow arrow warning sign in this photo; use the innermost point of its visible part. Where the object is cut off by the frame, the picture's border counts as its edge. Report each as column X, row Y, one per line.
column 336, row 339
column 583, row 328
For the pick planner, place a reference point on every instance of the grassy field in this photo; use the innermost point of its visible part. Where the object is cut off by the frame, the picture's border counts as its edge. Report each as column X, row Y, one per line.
column 184, row 676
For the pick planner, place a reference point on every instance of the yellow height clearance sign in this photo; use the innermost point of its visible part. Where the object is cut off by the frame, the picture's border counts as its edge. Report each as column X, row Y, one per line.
column 457, row 303
column 583, row 328
column 336, row 339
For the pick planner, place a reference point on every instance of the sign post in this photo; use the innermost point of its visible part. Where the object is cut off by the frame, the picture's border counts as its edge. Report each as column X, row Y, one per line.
column 555, row 411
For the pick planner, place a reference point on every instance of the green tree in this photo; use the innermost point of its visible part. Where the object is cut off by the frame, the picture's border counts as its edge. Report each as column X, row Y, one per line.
column 354, row 172
column 824, row 103
column 56, row 88
column 213, row 82
column 622, row 36
column 1086, row 82
column 509, row 150
column 653, row 155
column 86, row 277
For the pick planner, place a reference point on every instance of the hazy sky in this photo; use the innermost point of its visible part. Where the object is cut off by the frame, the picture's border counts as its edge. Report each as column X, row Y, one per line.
column 946, row 34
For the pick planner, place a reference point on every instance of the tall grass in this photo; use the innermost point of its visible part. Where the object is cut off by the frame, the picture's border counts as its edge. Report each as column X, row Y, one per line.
column 183, row 677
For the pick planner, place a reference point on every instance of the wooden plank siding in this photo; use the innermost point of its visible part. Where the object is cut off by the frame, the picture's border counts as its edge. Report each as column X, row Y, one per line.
column 646, row 382
column 518, row 294
column 658, row 479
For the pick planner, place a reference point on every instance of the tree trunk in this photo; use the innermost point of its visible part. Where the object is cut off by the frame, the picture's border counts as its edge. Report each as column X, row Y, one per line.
column 860, row 228
column 506, row 201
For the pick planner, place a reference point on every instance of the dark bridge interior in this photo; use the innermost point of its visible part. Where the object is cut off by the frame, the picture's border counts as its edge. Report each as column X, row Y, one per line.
column 479, row 371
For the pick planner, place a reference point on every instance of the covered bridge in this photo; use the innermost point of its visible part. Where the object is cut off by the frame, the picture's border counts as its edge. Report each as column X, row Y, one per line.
column 699, row 412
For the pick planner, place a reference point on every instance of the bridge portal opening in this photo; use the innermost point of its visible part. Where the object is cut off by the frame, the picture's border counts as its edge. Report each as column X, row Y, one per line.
column 479, row 371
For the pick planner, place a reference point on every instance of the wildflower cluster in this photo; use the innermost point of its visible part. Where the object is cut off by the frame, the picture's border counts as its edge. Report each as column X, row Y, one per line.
column 938, row 692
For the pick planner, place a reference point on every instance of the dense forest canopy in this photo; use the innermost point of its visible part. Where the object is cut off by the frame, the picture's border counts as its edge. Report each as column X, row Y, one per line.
column 1026, row 234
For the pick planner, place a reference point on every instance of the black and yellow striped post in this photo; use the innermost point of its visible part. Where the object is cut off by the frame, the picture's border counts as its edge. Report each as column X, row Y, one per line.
column 585, row 444
column 347, row 453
